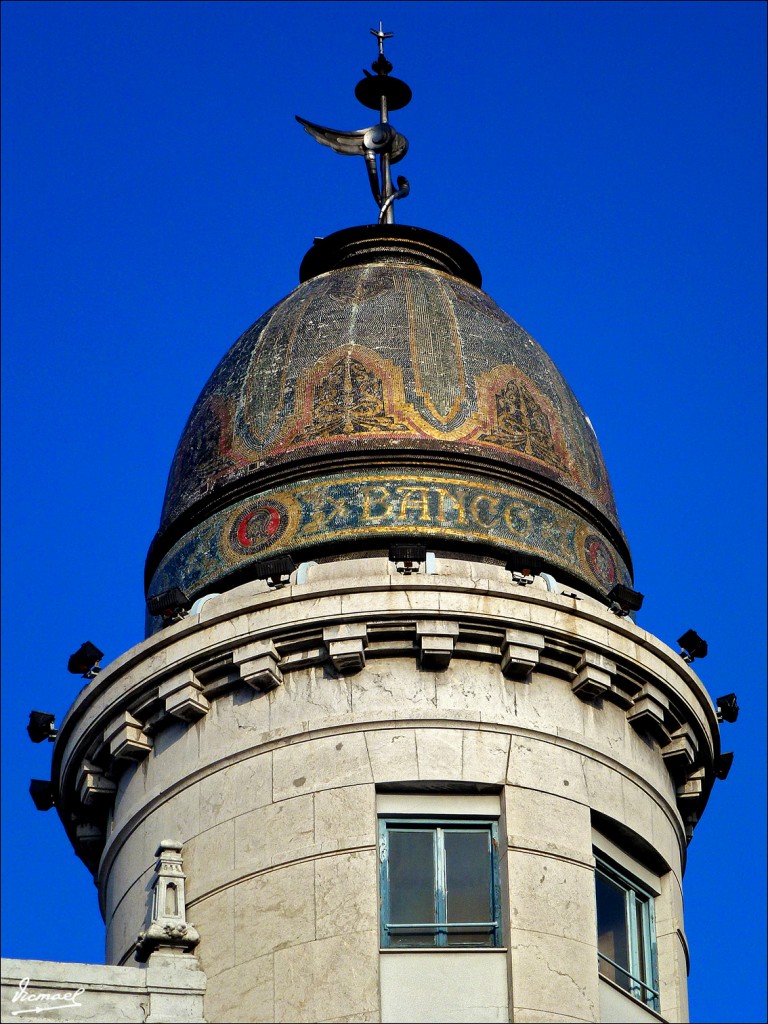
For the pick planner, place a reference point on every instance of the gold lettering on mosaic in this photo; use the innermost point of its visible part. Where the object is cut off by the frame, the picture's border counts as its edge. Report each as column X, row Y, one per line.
column 349, row 400
column 450, row 501
column 517, row 517
column 377, row 504
column 322, row 515
column 415, row 499
column 483, row 510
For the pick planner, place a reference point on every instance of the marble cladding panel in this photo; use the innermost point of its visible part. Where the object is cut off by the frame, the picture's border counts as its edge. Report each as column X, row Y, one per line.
column 124, row 871
column 244, row 994
column 310, row 696
column 539, row 705
column 605, row 792
column 345, row 818
column 550, row 895
column 276, row 834
column 530, row 815
column 128, row 919
column 346, row 894
column 478, row 687
column 209, row 859
column 552, row 972
column 214, row 918
column 274, row 910
column 175, row 746
column 234, row 789
column 438, row 752
column 445, row 986
column 543, row 764
column 673, row 985
column 327, row 979
column 323, row 763
column 236, row 720
column 385, row 685
column 669, row 907
column 178, row 817
column 392, row 754
column 485, row 756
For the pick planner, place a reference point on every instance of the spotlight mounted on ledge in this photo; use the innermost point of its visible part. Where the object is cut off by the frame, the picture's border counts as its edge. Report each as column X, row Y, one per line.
column 41, row 726
column 85, row 661
column 408, row 558
column 276, row 571
column 623, row 600
column 692, row 646
column 524, row 567
column 723, row 765
column 727, row 708
column 172, row 604
column 41, row 793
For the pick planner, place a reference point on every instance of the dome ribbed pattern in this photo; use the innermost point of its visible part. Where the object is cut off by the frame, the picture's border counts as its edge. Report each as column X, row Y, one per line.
column 402, row 397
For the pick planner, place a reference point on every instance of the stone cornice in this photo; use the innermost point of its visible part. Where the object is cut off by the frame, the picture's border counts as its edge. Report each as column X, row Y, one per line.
column 343, row 621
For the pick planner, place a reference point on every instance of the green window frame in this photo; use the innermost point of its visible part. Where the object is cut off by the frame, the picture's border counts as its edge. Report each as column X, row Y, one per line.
column 439, row 883
column 626, row 932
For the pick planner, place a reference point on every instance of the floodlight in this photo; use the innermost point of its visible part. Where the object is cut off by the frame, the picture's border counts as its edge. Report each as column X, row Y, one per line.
column 41, row 726
column 41, row 793
column 524, row 567
column 692, row 646
column 727, row 708
column 407, row 557
column 85, row 661
column 276, row 571
column 723, row 765
column 624, row 600
column 172, row 604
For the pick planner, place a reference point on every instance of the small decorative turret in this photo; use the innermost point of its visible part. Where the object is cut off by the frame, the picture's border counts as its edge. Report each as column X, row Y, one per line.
column 168, row 930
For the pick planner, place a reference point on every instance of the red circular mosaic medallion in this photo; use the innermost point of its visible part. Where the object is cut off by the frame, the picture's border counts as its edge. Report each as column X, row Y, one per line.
column 600, row 560
column 258, row 527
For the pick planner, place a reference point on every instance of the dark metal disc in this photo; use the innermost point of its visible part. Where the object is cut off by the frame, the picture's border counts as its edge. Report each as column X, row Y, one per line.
column 370, row 90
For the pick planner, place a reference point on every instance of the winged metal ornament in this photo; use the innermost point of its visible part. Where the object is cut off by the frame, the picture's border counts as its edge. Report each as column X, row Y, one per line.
column 368, row 143
column 380, row 92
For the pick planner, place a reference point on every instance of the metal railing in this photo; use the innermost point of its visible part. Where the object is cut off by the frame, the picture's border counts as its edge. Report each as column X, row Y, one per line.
column 650, row 995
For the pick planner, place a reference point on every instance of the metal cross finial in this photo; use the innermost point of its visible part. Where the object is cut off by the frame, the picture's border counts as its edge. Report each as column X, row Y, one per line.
column 381, row 35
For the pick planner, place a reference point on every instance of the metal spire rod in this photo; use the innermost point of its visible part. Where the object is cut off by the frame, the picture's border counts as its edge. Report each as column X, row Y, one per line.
column 382, row 93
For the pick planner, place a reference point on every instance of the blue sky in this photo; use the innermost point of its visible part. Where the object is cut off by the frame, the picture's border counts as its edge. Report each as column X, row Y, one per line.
column 604, row 163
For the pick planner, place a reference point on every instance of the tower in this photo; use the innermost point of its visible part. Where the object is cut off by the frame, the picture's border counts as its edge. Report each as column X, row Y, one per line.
column 412, row 454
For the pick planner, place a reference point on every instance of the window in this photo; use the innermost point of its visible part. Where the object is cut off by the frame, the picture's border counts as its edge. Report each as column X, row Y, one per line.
column 626, row 933
column 439, row 882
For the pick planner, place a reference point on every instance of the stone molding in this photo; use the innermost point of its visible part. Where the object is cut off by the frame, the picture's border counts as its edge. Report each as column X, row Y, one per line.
column 351, row 621
column 168, row 988
column 183, row 697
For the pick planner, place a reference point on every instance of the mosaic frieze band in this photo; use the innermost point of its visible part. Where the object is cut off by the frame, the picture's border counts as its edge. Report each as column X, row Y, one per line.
column 370, row 506
column 398, row 354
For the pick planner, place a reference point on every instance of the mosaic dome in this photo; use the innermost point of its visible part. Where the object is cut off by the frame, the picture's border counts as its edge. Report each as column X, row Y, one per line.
column 387, row 398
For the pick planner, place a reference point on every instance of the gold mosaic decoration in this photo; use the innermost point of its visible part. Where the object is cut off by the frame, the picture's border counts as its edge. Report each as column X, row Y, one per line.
column 349, row 400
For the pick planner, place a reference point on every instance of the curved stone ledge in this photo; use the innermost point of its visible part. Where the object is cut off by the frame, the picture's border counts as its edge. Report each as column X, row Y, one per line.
column 353, row 628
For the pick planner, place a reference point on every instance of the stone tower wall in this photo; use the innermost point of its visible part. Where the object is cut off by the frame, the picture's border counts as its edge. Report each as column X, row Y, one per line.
column 262, row 732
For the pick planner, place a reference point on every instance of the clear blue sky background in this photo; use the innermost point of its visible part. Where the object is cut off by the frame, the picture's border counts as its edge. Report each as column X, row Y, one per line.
column 604, row 163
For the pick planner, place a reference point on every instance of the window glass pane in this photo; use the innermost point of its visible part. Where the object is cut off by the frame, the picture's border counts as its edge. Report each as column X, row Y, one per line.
column 468, row 885
column 411, row 886
column 612, row 938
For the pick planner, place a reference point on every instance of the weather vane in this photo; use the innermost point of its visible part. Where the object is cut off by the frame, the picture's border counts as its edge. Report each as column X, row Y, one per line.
column 383, row 93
